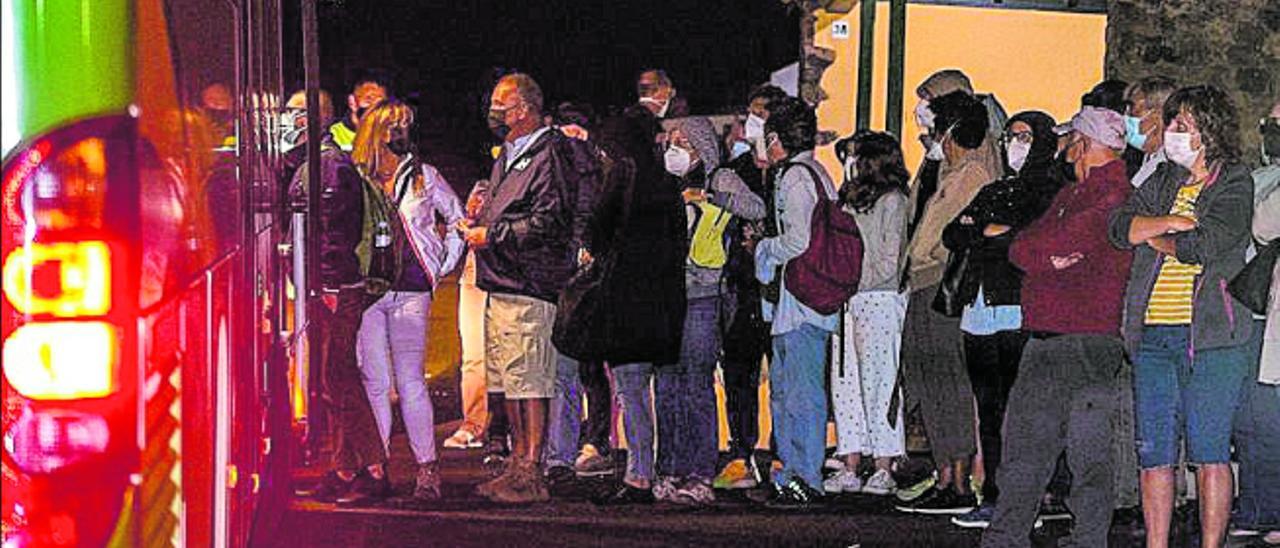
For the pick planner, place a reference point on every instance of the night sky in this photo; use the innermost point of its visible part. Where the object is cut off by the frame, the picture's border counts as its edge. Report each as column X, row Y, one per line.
column 444, row 55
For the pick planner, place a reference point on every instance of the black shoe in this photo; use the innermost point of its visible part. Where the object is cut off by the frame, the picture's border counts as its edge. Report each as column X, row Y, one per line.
column 366, row 489
column 496, row 451
column 1052, row 509
column 795, row 495
column 624, row 494
column 940, row 501
column 560, row 476
column 330, row 488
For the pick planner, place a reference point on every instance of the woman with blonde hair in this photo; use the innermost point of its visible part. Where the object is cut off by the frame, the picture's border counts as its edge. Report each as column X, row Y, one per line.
column 393, row 331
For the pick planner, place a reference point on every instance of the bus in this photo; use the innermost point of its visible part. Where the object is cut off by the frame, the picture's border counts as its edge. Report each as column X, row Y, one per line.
column 149, row 340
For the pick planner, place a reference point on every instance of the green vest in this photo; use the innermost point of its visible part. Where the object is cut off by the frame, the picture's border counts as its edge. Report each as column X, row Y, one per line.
column 343, row 136
column 707, row 244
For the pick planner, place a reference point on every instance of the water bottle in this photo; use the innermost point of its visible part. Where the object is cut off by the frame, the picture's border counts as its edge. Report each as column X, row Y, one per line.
column 382, row 235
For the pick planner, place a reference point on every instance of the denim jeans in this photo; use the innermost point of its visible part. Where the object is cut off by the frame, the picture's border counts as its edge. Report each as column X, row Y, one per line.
column 688, row 430
column 393, row 343
column 564, row 417
column 632, row 381
column 798, row 403
column 1174, row 393
column 1257, row 441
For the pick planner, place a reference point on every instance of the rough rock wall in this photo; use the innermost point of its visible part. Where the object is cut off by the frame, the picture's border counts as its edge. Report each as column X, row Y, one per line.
column 1234, row 44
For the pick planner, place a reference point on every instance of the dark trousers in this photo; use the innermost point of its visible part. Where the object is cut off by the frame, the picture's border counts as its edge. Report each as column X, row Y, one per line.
column 357, row 443
column 1064, row 398
column 933, row 377
column 596, row 427
column 992, row 361
column 746, row 343
column 1257, row 439
column 685, row 397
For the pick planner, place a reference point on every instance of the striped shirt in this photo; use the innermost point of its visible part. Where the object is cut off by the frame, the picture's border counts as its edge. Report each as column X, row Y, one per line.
column 1171, row 298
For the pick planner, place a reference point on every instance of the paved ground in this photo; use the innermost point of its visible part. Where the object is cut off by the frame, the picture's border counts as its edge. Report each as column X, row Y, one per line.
column 463, row 519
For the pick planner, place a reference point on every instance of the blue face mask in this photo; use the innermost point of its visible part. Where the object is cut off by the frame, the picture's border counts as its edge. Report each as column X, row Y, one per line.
column 1133, row 132
column 739, row 148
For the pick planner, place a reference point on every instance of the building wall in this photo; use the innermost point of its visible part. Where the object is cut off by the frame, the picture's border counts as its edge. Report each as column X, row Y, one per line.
column 1029, row 59
column 1234, row 44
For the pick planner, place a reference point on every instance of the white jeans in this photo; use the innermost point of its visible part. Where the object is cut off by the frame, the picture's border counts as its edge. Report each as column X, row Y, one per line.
column 393, row 343
column 869, row 344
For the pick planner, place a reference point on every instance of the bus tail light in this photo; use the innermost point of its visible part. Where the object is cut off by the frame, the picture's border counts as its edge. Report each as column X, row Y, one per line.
column 62, row 279
column 62, row 360
column 43, row 442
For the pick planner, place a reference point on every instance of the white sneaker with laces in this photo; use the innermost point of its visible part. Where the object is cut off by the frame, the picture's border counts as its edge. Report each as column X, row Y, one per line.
column 463, row 439
column 844, row 481
column 880, row 483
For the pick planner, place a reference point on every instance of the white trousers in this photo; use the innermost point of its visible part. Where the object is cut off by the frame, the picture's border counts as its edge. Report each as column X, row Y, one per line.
column 864, row 371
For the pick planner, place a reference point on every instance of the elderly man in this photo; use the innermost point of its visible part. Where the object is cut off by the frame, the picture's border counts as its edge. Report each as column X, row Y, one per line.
column 1072, row 297
column 521, row 235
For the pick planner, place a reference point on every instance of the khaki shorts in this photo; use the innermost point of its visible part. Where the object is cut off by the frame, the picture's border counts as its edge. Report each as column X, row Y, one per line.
column 519, row 358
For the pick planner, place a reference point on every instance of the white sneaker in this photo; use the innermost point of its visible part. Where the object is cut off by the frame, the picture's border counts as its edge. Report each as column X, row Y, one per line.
column 665, row 489
column 462, row 439
column 833, row 463
column 844, row 481
column 880, row 483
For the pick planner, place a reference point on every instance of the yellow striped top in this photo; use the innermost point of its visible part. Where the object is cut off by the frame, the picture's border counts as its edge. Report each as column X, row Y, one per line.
column 1170, row 302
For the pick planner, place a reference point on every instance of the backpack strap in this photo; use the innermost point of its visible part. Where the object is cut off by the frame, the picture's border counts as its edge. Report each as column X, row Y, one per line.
column 813, row 174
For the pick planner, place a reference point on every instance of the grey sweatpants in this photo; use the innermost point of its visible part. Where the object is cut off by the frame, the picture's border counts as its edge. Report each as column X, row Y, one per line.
column 934, row 377
column 1065, row 397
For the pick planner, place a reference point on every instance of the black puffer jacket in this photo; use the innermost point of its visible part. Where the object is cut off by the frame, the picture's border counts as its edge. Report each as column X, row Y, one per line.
column 1015, row 200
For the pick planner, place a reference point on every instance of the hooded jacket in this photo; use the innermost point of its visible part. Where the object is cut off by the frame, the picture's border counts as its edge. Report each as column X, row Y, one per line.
column 1015, row 200
column 341, row 214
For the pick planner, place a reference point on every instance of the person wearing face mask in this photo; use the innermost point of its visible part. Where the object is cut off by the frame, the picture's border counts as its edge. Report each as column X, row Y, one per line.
column 1144, row 122
column 638, row 236
column 656, row 92
column 367, row 92
column 393, row 329
column 867, row 344
column 293, row 130
column 522, row 239
column 746, row 340
column 1072, row 296
column 990, row 286
column 685, row 392
column 933, row 372
column 1256, row 431
column 1188, row 227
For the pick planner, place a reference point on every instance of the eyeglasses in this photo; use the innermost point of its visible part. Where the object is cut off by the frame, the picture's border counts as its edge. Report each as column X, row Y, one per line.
column 1019, row 136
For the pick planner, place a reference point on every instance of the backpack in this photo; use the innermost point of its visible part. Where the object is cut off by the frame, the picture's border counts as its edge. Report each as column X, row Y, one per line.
column 382, row 241
column 826, row 275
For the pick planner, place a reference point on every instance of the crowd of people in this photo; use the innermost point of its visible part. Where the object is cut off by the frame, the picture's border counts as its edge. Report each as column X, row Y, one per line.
column 1072, row 308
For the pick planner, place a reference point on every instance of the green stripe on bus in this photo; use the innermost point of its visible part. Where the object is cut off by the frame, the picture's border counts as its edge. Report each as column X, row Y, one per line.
column 73, row 59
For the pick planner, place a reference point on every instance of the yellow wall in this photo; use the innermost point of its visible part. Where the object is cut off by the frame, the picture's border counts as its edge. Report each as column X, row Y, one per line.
column 1029, row 59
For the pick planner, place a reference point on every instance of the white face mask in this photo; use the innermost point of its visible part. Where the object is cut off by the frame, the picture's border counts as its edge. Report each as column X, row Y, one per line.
column 935, row 152
column 1177, row 146
column 739, row 148
column 924, row 116
column 678, row 161
column 754, row 128
column 662, row 112
column 850, row 168
column 292, row 133
column 1017, row 153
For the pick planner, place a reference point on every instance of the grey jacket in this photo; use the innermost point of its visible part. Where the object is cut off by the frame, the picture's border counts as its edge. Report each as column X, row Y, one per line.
column 1224, row 211
column 1266, row 229
column 884, row 240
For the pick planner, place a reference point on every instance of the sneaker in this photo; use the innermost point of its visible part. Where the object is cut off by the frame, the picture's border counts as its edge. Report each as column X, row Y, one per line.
column 912, row 492
column 463, row 439
column 590, row 463
column 330, row 488
column 939, row 501
column 366, row 488
column 978, row 518
column 665, row 488
column 833, row 463
column 694, row 492
column 624, row 494
column 1052, row 509
column 735, row 475
column 496, row 451
column 527, row 485
column 426, row 485
column 880, row 483
column 795, row 495
column 1238, row 532
column 843, row 481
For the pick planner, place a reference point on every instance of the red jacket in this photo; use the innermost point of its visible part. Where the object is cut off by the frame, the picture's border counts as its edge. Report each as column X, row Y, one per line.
column 1087, row 297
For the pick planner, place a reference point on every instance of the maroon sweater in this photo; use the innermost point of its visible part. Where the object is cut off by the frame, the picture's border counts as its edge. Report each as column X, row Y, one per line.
column 1087, row 297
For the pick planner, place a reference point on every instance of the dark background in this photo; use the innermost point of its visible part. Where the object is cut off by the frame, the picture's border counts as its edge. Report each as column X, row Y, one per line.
column 445, row 55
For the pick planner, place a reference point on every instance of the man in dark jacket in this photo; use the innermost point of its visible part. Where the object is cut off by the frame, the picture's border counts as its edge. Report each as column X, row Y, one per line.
column 359, row 462
column 522, row 241
column 639, row 233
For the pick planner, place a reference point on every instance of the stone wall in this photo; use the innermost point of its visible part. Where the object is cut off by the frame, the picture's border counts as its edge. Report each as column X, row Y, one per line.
column 1234, row 44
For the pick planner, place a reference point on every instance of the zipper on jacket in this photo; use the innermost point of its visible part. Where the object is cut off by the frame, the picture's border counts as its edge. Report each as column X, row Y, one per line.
column 1226, row 304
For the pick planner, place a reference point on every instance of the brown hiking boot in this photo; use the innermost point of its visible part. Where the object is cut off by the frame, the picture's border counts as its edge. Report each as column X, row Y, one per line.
column 527, row 486
column 487, row 488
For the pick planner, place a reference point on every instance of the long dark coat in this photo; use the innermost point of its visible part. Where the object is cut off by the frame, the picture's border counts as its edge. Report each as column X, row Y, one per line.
column 640, row 219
